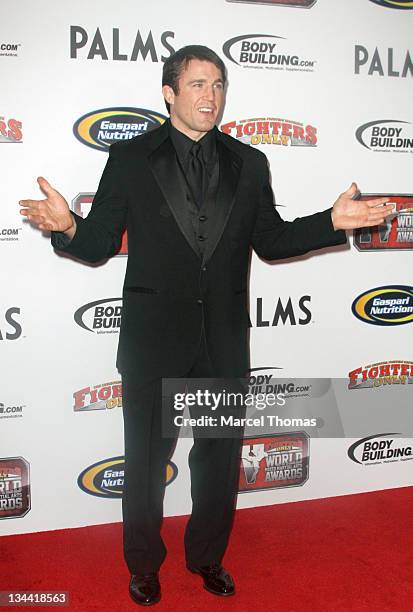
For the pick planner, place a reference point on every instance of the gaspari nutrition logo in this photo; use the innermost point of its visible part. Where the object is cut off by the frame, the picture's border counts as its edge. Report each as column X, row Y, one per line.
column 395, row 233
column 106, row 478
column 288, row 3
column 386, row 135
column 395, row 4
column 379, row 449
column 82, row 204
column 101, row 128
column 105, row 396
column 10, row 131
column 274, row 462
column 101, row 317
column 389, row 305
column 382, row 62
column 265, row 51
column 272, row 131
column 381, row 374
column 15, row 499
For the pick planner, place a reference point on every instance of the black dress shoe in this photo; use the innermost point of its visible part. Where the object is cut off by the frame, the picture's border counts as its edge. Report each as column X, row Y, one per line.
column 145, row 589
column 216, row 579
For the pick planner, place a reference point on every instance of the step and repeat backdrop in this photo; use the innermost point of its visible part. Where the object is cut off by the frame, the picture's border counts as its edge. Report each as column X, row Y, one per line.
column 323, row 88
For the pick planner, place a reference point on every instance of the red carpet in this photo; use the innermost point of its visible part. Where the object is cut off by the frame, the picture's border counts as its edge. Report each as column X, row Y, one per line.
column 338, row 554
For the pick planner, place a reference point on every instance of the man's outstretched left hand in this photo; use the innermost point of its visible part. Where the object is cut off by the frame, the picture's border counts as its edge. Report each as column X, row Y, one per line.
column 349, row 213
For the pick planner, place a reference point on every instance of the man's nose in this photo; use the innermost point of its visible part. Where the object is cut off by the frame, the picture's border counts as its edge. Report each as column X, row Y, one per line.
column 210, row 92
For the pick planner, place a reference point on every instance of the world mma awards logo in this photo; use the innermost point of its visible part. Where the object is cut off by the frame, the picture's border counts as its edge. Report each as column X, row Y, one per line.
column 274, row 461
column 106, row 478
column 272, row 131
column 389, row 305
column 82, row 204
column 99, row 129
column 381, row 374
column 15, row 500
column 396, row 233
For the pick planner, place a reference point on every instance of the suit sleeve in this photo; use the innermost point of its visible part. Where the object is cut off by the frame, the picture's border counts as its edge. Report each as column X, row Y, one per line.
column 274, row 238
column 98, row 236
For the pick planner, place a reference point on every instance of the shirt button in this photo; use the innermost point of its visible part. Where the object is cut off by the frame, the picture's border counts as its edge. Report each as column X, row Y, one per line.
column 199, row 301
column 201, row 238
column 202, row 218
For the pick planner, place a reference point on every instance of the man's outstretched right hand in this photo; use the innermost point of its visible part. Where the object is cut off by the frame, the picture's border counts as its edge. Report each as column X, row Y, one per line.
column 52, row 213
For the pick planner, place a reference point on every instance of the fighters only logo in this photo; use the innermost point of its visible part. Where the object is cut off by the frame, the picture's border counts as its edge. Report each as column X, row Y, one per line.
column 105, row 396
column 272, row 131
column 10, row 131
column 381, row 374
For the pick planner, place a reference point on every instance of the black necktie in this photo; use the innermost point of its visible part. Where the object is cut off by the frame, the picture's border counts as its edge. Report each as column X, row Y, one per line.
column 196, row 173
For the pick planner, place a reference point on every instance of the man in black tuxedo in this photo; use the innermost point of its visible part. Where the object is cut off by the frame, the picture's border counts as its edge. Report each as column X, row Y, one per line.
column 194, row 201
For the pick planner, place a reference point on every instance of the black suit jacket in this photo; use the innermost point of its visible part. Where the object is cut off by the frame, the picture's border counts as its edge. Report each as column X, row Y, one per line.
column 169, row 291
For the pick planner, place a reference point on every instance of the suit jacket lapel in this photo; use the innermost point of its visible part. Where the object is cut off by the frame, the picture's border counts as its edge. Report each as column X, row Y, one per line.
column 229, row 172
column 164, row 165
column 165, row 168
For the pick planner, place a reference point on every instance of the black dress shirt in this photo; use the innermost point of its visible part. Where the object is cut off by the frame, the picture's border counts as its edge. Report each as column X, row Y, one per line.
column 183, row 145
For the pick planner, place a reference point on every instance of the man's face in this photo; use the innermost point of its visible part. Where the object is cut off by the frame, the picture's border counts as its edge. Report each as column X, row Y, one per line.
column 194, row 110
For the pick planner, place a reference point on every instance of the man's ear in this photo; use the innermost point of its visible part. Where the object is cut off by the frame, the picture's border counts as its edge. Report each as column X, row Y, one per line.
column 168, row 94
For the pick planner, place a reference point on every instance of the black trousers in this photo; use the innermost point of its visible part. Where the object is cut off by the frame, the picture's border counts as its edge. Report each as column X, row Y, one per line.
column 214, row 466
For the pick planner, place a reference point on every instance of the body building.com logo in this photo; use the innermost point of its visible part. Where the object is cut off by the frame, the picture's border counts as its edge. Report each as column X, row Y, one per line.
column 265, row 51
column 386, row 135
column 101, row 317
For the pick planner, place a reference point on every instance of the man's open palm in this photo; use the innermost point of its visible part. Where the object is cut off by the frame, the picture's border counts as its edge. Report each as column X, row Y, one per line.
column 349, row 213
column 52, row 213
